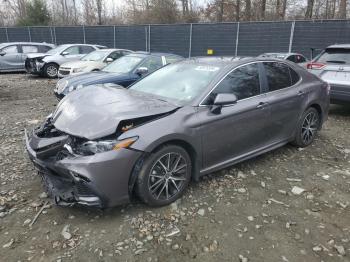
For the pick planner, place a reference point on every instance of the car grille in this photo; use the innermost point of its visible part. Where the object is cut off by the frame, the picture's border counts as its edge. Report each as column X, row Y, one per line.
column 64, row 72
column 83, row 189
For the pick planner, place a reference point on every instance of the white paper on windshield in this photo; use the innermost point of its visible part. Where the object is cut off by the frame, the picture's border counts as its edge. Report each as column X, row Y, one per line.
column 207, row 68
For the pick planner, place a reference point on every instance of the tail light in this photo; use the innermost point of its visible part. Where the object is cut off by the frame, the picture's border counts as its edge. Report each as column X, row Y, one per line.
column 314, row 65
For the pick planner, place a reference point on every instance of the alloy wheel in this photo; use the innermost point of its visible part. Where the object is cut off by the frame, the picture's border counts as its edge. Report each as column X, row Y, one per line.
column 167, row 176
column 51, row 71
column 309, row 127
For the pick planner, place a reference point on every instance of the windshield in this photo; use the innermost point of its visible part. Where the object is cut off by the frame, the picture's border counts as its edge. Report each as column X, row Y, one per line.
column 180, row 82
column 95, row 56
column 124, row 64
column 334, row 56
column 56, row 50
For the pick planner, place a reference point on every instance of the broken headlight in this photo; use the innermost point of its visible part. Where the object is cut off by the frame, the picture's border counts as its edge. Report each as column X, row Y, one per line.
column 94, row 147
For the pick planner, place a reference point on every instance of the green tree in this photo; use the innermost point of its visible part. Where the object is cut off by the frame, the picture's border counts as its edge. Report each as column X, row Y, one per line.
column 36, row 14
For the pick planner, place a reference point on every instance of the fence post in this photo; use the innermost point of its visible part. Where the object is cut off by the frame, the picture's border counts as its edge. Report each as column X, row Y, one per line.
column 291, row 37
column 54, row 34
column 30, row 36
column 237, row 38
column 190, row 46
column 114, row 38
column 84, row 34
column 52, row 40
column 149, row 38
column 7, row 35
column 146, row 38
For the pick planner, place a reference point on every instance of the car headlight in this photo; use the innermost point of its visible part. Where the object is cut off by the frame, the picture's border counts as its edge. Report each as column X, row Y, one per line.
column 94, row 147
column 71, row 88
column 78, row 70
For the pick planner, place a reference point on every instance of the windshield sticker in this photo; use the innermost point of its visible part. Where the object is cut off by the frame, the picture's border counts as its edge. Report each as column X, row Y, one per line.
column 207, row 68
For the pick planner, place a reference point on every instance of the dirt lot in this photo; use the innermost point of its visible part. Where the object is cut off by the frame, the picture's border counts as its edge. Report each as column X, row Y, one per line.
column 245, row 213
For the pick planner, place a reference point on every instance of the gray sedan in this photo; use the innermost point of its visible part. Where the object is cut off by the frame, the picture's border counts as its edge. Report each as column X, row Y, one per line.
column 333, row 66
column 103, row 144
column 13, row 55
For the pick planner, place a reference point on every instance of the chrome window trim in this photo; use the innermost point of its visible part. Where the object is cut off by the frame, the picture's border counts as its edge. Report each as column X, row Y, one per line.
column 267, row 61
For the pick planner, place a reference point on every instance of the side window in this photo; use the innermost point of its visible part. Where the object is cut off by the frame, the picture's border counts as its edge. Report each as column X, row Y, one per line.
column 126, row 52
column 115, row 55
column 172, row 59
column 291, row 58
column 73, row 50
column 152, row 63
column 86, row 49
column 243, row 82
column 300, row 59
column 277, row 74
column 44, row 48
column 294, row 76
column 12, row 49
column 29, row 49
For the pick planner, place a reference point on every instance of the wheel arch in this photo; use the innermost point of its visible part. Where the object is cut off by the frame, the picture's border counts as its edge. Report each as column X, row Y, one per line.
column 318, row 108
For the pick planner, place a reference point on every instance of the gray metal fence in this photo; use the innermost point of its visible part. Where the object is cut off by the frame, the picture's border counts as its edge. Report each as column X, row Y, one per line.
column 244, row 38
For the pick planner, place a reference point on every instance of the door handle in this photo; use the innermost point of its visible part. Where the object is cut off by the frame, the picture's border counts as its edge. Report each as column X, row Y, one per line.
column 262, row 105
column 300, row 93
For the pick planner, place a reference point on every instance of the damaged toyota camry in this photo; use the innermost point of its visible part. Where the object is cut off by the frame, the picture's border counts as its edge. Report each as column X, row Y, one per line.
column 102, row 145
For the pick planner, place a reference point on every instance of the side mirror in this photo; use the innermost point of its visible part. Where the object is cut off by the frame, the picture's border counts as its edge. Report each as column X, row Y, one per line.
column 65, row 53
column 141, row 71
column 109, row 60
column 223, row 100
column 2, row 53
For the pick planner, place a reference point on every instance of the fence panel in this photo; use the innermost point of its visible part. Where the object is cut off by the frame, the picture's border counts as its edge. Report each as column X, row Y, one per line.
column 319, row 34
column 131, row 37
column 221, row 38
column 69, row 35
column 18, row 34
column 171, row 39
column 261, row 37
column 100, row 35
column 41, row 34
column 3, row 37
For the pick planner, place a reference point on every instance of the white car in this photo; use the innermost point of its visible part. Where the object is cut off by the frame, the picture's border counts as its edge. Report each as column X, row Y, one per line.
column 94, row 61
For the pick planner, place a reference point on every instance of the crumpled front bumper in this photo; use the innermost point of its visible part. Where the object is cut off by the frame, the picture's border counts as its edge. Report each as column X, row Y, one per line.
column 100, row 180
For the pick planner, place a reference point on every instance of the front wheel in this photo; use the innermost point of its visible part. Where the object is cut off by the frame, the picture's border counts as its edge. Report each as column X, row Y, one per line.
column 51, row 70
column 164, row 176
column 307, row 128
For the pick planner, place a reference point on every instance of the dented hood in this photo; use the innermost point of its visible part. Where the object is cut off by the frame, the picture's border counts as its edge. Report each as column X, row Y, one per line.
column 96, row 111
column 37, row 55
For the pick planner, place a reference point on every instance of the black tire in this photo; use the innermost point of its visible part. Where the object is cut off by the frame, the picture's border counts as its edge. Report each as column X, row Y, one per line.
column 51, row 70
column 164, row 185
column 307, row 128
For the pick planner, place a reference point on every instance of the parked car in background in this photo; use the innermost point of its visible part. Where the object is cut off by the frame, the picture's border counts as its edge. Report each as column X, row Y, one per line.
column 293, row 57
column 47, row 64
column 124, row 71
column 93, row 61
column 14, row 54
column 183, row 121
column 333, row 66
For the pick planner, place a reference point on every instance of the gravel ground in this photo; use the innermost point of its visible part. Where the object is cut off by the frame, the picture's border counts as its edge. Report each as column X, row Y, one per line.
column 286, row 205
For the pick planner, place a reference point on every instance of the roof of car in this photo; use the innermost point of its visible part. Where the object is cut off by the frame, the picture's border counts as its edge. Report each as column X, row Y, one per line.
column 217, row 60
column 154, row 53
column 346, row 46
column 26, row 43
column 279, row 54
column 112, row 49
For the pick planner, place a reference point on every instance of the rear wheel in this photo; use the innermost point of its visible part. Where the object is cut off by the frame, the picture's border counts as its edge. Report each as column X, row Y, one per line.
column 51, row 70
column 307, row 128
column 164, row 176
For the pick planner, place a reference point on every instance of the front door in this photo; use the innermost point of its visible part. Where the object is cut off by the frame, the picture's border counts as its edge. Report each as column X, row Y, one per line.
column 239, row 129
column 11, row 58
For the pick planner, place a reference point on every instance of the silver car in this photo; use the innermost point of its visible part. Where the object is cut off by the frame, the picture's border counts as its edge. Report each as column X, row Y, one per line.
column 93, row 61
column 293, row 57
column 333, row 66
column 13, row 55
column 47, row 64
column 190, row 118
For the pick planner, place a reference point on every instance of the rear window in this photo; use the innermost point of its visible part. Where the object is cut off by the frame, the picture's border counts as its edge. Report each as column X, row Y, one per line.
column 334, row 56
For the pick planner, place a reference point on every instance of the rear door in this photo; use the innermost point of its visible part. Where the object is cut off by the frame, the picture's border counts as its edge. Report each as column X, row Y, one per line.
column 11, row 58
column 285, row 96
column 239, row 129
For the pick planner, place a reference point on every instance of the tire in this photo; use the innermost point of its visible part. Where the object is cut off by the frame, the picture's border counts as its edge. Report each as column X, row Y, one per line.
column 51, row 70
column 307, row 128
column 161, row 182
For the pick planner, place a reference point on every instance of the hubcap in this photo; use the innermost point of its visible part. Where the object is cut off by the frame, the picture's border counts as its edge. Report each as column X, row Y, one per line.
column 167, row 176
column 309, row 127
column 52, row 71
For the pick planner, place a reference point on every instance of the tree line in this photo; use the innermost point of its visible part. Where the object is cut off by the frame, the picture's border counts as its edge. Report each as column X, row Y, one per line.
column 107, row 12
